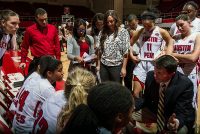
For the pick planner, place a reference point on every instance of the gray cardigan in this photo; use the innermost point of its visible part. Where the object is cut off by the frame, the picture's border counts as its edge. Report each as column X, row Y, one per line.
column 73, row 49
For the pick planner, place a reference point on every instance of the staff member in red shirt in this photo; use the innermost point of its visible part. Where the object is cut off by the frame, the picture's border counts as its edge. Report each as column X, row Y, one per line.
column 42, row 38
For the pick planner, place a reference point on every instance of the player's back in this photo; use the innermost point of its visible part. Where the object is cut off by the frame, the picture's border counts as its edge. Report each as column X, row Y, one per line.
column 29, row 103
column 47, row 120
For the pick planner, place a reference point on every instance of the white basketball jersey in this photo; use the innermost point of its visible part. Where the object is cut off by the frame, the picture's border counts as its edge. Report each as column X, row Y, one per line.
column 186, row 47
column 4, row 44
column 47, row 120
column 150, row 43
column 34, row 75
column 136, row 47
column 195, row 27
column 174, row 30
column 30, row 99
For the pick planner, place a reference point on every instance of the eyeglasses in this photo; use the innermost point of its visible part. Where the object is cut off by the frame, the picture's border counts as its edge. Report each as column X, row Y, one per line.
column 81, row 30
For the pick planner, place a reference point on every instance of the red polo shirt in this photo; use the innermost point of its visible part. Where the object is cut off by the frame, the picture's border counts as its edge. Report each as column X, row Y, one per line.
column 41, row 42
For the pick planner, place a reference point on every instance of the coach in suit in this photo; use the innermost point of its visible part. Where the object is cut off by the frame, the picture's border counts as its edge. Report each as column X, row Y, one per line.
column 178, row 112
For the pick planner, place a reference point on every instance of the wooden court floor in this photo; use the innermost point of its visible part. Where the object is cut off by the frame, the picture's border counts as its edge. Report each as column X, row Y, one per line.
column 65, row 63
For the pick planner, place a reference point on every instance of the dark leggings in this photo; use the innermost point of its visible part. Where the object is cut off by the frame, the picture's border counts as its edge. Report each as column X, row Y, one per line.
column 110, row 73
column 129, row 74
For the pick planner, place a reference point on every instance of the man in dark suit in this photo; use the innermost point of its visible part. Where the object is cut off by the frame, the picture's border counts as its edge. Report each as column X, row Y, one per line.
column 178, row 112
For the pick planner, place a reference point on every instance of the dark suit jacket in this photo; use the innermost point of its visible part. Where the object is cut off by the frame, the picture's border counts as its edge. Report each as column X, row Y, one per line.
column 178, row 98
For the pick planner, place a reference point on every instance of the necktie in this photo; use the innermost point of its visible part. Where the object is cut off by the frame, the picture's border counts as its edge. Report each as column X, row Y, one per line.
column 160, row 113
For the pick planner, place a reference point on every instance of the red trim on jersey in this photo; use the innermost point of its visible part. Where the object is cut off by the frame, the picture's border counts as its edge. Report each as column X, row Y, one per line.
column 135, row 78
column 4, row 129
column 36, row 109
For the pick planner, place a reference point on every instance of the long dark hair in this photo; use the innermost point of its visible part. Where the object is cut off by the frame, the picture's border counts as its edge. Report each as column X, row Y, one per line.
column 106, row 31
column 48, row 63
column 98, row 17
column 104, row 101
column 78, row 23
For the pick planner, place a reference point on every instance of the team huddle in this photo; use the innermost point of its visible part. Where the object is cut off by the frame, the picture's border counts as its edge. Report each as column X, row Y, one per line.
column 159, row 69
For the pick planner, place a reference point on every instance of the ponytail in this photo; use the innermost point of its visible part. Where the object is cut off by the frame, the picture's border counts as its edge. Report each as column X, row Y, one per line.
column 78, row 85
column 77, row 96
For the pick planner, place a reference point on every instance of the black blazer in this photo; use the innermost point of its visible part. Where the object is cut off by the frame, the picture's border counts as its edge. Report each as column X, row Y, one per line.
column 178, row 98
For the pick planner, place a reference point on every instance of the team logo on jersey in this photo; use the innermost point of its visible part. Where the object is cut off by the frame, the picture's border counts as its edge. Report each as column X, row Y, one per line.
column 190, row 41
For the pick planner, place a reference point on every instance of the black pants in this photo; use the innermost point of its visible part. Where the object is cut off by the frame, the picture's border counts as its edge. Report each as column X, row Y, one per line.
column 129, row 74
column 110, row 73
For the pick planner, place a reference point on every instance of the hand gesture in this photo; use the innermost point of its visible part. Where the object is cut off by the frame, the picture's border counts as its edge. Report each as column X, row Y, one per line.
column 173, row 123
column 79, row 59
column 135, row 59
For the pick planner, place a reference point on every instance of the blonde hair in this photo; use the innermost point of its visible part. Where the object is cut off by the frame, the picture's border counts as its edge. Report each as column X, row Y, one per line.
column 77, row 87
